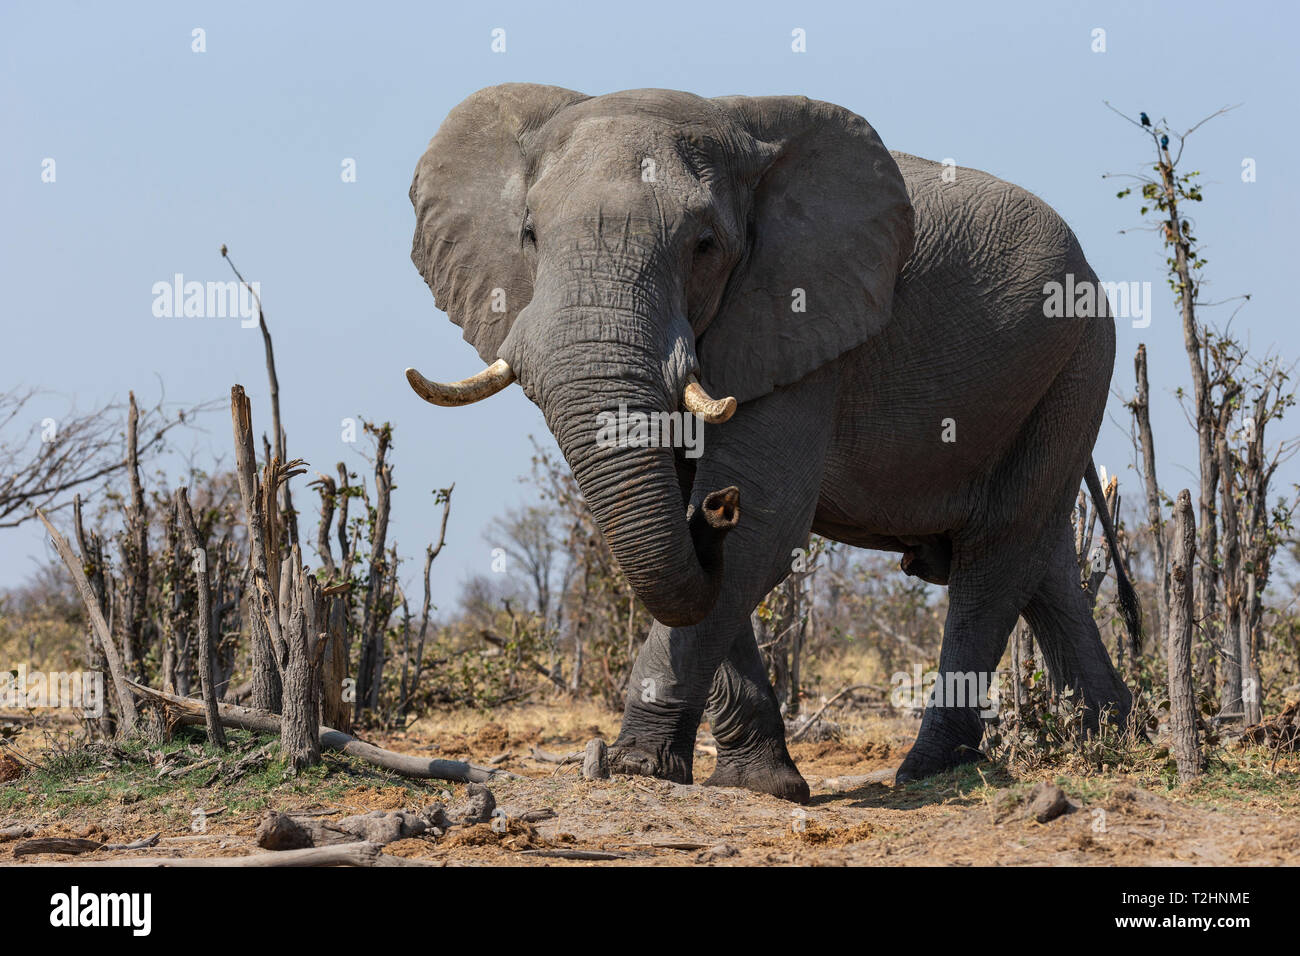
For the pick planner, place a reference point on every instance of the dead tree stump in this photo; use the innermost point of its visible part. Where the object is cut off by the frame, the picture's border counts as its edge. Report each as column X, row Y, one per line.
column 1182, row 695
column 595, row 763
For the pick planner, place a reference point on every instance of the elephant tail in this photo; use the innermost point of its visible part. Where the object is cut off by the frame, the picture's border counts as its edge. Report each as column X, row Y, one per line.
column 1129, row 607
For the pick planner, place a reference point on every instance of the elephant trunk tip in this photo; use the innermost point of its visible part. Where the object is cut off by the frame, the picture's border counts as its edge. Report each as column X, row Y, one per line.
column 722, row 508
column 709, row 524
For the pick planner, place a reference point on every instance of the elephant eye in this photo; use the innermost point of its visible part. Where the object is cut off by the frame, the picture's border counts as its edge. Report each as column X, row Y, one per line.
column 705, row 244
column 526, row 234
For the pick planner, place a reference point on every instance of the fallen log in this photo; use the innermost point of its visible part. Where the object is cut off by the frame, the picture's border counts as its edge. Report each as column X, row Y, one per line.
column 545, row 756
column 576, row 854
column 190, row 712
column 345, row 854
column 280, row 831
column 853, row 781
column 142, row 844
column 63, row 845
column 537, row 816
column 1280, row 732
column 72, row 846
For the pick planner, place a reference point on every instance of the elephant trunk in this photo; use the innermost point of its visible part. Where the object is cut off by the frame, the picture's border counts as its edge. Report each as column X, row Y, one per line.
column 672, row 557
column 586, row 367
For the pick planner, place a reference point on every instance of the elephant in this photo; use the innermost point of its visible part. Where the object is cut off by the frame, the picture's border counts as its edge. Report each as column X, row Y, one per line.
column 888, row 376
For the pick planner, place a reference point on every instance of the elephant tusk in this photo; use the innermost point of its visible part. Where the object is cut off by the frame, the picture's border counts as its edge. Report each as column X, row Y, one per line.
column 715, row 411
column 465, row 392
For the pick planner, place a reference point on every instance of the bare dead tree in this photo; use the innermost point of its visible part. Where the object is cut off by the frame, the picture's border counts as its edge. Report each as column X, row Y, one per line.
column 1141, row 409
column 375, row 610
column 285, row 500
column 1252, row 532
column 328, row 491
column 74, row 452
column 268, row 647
column 1164, row 197
column 783, row 623
column 91, row 546
column 1182, row 694
column 431, row 553
column 289, row 600
column 1023, row 666
column 117, row 671
column 203, row 616
column 347, row 545
column 135, row 553
column 307, row 639
column 527, row 536
column 172, row 630
column 336, row 710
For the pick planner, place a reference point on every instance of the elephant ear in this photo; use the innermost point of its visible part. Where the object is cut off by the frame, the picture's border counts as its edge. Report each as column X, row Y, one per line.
column 469, row 193
column 831, row 228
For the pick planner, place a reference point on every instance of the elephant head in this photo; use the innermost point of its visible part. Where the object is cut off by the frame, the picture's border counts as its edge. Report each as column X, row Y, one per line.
column 648, row 249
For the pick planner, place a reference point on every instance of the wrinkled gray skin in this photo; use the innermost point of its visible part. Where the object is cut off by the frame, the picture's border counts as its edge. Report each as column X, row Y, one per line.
column 924, row 302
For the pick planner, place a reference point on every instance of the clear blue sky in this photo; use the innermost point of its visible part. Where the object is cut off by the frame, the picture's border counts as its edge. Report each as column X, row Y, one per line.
column 163, row 154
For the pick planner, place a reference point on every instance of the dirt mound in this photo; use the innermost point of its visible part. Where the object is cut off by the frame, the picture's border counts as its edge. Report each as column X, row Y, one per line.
column 815, row 834
column 10, row 769
column 514, row 835
column 491, row 737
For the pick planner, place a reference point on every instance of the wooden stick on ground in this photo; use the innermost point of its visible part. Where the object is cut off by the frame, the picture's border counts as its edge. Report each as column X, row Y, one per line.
column 576, row 854
column 545, row 756
column 245, row 718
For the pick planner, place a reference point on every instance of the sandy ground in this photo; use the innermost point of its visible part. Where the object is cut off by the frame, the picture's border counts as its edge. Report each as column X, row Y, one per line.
column 856, row 816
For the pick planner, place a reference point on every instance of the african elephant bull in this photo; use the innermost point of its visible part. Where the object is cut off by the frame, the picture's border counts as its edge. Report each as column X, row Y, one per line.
column 875, row 333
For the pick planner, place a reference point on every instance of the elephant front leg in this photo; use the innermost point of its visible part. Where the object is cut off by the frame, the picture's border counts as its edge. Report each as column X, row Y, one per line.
column 747, row 724
column 665, row 701
column 773, row 451
column 663, row 712
column 666, row 696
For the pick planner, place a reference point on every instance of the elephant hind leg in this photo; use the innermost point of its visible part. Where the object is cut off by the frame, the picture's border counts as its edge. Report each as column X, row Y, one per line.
column 984, row 600
column 1064, row 627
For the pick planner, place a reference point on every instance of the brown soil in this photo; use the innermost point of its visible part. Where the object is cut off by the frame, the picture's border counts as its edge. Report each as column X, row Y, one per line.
column 856, row 815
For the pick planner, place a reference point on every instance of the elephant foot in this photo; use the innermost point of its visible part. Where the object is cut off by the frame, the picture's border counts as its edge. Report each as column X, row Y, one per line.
column 643, row 757
column 764, row 769
column 919, row 764
column 948, row 738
